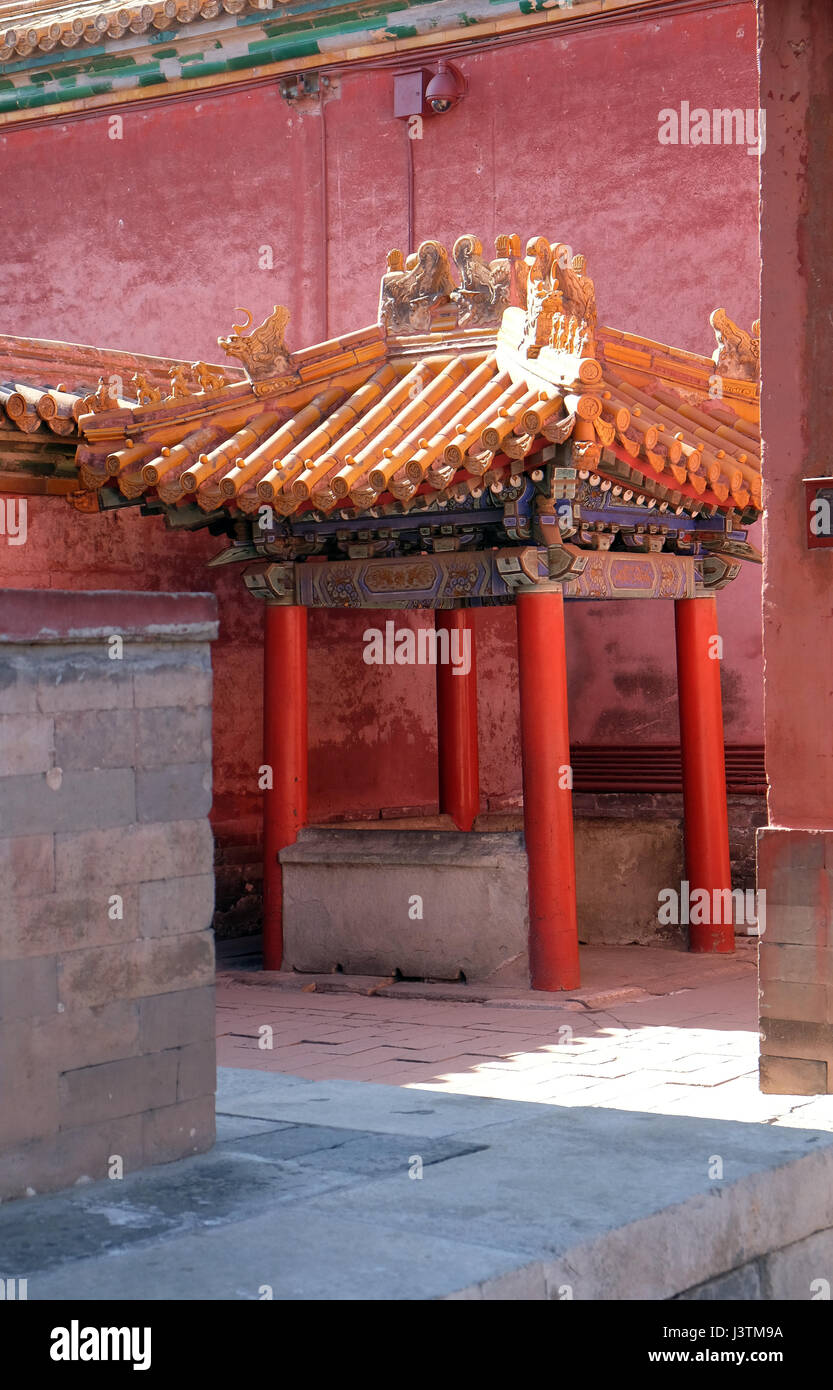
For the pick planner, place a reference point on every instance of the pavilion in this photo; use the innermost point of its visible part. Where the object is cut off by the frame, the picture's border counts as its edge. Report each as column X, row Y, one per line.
column 486, row 441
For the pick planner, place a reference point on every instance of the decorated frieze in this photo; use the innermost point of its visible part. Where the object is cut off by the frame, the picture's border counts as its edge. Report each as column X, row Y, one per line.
column 474, row 578
column 423, row 581
column 612, row 574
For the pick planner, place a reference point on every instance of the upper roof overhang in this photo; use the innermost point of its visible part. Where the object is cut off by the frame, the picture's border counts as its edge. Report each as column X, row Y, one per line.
column 56, row 59
column 42, row 389
column 496, row 391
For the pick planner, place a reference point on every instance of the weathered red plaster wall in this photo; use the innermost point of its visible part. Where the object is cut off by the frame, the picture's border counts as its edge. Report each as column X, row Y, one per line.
column 795, row 851
column 149, row 242
column 797, row 410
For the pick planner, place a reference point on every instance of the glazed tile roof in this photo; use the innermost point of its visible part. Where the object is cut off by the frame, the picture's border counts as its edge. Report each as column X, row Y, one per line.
column 45, row 26
column 100, row 51
column 43, row 389
column 483, row 387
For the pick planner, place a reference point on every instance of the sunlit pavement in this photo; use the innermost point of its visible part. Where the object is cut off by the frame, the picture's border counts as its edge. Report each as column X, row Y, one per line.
column 650, row 1030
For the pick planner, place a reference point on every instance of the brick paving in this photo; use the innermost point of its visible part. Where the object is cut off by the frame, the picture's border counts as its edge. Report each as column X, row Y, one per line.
column 676, row 1035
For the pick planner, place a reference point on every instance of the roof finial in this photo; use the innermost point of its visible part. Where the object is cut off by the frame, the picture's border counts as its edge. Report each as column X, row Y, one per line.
column 737, row 353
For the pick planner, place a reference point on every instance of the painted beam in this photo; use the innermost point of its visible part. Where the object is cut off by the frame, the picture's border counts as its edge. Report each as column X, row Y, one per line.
column 471, row 578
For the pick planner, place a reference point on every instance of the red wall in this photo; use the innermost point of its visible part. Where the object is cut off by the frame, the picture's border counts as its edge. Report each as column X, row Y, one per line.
column 149, row 243
column 797, row 291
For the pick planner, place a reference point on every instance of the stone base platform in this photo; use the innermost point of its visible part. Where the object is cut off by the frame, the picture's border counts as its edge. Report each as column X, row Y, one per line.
column 425, row 903
column 422, row 899
column 316, row 1192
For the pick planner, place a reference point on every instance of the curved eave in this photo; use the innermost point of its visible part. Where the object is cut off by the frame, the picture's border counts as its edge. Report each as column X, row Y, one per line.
column 367, row 424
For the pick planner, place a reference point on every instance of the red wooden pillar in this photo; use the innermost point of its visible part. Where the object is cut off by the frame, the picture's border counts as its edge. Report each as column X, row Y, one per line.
column 706, row 817
column 548, row 798
column 285, row 752
column 457, row 719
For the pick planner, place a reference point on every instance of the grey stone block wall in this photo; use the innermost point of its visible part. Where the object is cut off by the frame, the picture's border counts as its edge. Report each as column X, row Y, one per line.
column 799, row 1272
column 622, row 865
column 106, row 885
column 795, row 961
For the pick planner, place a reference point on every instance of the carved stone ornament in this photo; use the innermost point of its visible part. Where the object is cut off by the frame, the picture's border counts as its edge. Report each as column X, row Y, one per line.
column 559, row 297
column 586, row 454
column 738, row 353
column 535, row 267
column 274, row 385
column 577, row 289
column 207, row 380
column 484, row 289
column 548, row 281
column 84, row 500
column 263, row 352
column 507, row 265
column 146, row 394
column 103, row 398
column 179, row 386
column 411, row 289
column 543, row 305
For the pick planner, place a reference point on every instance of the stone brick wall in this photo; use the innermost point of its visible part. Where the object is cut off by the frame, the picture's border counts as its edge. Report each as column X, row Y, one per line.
column 106, row 884
column 747, row 812
column 795, row 870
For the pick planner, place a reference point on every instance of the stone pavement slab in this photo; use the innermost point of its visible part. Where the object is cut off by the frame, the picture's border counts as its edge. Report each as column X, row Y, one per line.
column 284, row 1254
column 384, row 1109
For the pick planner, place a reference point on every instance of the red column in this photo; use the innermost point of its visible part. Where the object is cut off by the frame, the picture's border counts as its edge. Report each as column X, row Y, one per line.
column 548, row 798
column 706, row 817
column 457, row 721
column 285, row 752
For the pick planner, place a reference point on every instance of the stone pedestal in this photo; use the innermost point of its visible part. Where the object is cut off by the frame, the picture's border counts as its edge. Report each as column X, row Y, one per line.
column 435, row 903
column 429, row 904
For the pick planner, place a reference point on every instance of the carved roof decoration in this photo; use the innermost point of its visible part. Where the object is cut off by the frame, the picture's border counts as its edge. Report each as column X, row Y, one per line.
column 738, row 353
column 262, row 351
column 487, row 386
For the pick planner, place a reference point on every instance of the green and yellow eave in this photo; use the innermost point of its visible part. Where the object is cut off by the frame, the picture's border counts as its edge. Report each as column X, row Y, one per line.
column 56, row 59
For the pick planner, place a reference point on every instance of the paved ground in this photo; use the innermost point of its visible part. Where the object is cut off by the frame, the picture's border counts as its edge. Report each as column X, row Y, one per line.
column 651, row 1030
column 489, row 1157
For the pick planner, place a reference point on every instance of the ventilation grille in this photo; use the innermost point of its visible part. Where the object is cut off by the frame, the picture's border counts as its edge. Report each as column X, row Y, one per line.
column 657, row 768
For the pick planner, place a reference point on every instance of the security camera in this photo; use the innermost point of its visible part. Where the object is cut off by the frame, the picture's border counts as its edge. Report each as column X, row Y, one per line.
column 445, row 89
